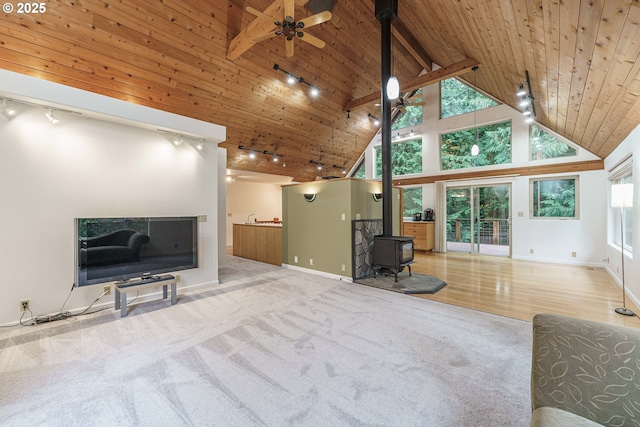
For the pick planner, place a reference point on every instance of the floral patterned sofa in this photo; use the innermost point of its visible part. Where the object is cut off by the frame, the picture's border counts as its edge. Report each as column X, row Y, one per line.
column 584, row 373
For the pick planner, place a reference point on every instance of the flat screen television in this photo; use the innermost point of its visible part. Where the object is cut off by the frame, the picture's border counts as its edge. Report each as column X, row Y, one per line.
column 120, row 249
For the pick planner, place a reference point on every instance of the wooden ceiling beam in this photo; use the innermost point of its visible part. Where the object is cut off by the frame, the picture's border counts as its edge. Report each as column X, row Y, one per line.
column 427, row 79
column 587, row 165
column 407, row 39
column 415, row 49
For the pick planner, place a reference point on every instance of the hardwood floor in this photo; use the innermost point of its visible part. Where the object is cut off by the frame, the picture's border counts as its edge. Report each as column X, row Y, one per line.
column 521, row 289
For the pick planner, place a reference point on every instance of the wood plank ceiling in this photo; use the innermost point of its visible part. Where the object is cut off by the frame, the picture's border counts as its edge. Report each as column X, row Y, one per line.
column 582, row 56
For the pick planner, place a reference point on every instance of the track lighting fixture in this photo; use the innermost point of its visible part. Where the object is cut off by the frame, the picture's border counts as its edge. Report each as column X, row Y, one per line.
column 399, row 135
column 254, row 153
column 526, row 100
column 6, row 109
column 374, row 119
column 318, row 164
column 200, row 145
column 178, row 140
column 53, row 119
column 292, row 79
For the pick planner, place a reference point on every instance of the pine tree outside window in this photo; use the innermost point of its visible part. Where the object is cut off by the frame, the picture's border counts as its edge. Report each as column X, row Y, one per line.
column 554, row 198
column 406, row 158
column 458, row 98
column 494, row 142
column 546, row 146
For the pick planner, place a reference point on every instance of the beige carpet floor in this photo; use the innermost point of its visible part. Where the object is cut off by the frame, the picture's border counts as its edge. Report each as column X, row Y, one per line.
column 270, row 347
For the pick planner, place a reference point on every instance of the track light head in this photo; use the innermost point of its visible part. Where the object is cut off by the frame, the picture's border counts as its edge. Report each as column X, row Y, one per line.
column 521, row 91
column 53, row 119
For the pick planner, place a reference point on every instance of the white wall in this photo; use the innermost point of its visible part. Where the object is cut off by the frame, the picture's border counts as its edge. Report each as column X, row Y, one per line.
column 244, row 198
column 83, row 167
column 552, row 240
column 630, row 146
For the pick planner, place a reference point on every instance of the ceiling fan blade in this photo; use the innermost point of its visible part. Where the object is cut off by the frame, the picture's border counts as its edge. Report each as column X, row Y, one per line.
column 265, row 37
column 415, row 104
column 259, row 14
column 312, row 40
column 289, row 47
column 289, row 7
column 316, row 19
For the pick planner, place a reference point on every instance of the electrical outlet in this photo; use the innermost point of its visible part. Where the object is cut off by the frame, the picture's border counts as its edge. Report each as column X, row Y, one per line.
column 573, row 254
column 24, row 305
column 344, row 267
column 531, row 251
column 311, row 261
column 177, row 276
column 295, row 259
column 107, row 290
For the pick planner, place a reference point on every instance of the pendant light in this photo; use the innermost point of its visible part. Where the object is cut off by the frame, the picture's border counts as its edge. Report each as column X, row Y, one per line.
column 475, row 149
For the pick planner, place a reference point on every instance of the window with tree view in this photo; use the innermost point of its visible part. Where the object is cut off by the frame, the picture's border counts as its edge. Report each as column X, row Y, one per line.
column 408, row 115
column 554, row 198
column 493, row 141
column 359, row 172
column 412, row 201
column 546, row 146
column 406, row 158
column 458, row 98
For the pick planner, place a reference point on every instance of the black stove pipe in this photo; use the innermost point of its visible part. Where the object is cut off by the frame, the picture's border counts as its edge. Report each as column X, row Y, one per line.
column 386, row 11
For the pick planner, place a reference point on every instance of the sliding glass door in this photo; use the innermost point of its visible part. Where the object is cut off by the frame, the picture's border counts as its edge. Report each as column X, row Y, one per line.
column 478, row 219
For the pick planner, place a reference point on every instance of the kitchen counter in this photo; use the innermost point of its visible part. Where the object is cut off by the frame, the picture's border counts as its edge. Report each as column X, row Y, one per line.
column 258, row 241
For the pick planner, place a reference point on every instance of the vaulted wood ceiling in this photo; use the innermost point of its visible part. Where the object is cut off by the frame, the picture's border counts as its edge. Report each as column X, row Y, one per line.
column 582, row 56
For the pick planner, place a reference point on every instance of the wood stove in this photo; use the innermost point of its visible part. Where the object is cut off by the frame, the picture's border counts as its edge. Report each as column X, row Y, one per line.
column 392, row 253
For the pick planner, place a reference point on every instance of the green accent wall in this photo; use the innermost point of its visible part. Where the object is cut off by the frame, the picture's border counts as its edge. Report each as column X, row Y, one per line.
column 315, row 230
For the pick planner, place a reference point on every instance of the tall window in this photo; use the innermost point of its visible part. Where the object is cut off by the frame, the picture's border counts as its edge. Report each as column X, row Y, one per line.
column 554, row 198
column 546, row 146
column 494, row 143
column 360, row 171
column 406, row 158
column 412, row 201
column 409, row 115
column 458, row 98
column 622, row 174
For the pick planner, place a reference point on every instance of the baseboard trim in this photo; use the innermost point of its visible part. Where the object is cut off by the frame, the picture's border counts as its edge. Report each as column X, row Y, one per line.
column 318, row 273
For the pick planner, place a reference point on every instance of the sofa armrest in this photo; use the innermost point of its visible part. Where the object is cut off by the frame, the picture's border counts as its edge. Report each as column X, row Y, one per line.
column 587, row 368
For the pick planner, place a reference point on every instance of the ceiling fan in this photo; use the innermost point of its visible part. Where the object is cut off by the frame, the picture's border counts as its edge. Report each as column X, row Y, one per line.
column 290, row 28
column 406, row 101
